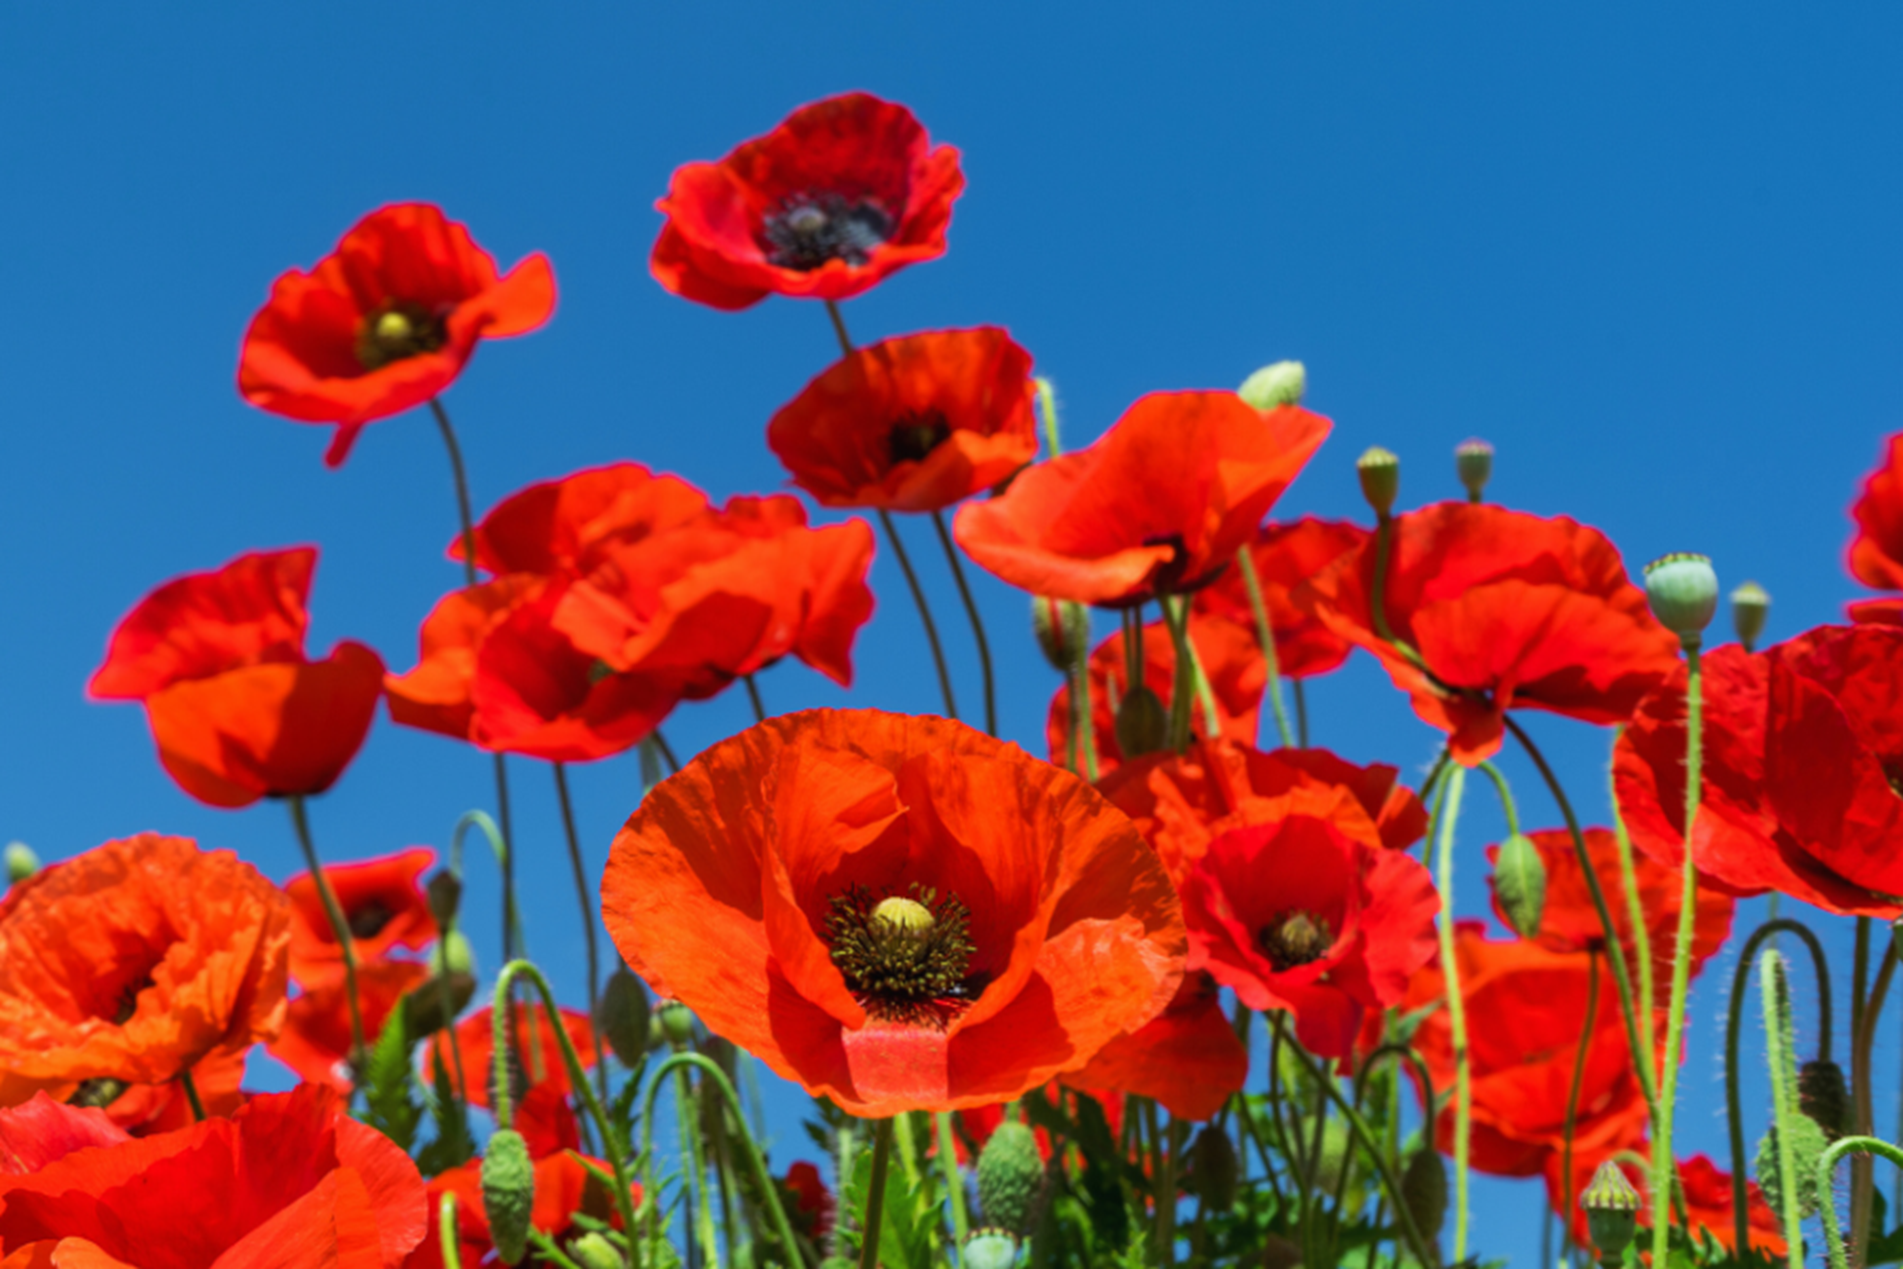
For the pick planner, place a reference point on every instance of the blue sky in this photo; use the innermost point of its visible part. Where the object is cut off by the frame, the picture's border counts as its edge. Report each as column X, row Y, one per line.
column 1653, row 257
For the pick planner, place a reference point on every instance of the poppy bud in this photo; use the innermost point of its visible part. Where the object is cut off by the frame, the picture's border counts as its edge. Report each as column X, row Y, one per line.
column 623, row 1016
column 1283, row 383
column 1473, row 463
column 445, row 894
column 990, row 1249
column 1213, row 1168
column 592, row 1251
column 452, row 955
column 508, row 1193
column 1380, row 473
column 1010, row 1178
column 1808, row 1144
column 1612, row 1212
column 1424, row 1190
column 677, row 1023
column 1684, row 594
column 1062, row 629
column 435, row 1004
column 21, row 862
column 1750, row 606
column 1824, row 1096
column 1143, row 724
column 1519, row 883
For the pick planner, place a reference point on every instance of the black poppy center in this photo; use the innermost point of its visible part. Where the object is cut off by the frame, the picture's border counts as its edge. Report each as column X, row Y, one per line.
column 1295, row 939
column 397, row 330
column 811, row 229
column 916, row 435
column 905, row 958
column 369, row 918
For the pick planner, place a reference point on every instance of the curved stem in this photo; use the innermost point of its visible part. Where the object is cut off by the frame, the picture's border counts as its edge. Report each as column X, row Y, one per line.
column 875, row 1196
column 339, row 927
column 977, row 623
column 1377, row 594
column 1447, row 817
column 499, row 846
column 924, row 610
column 1507, row 807
column 1572, row 1094
column 1664, row 1162
column 1367, row 1068
column 1826, row 1169
column 1783, row 1108
column 753, row 695
column 587, row 920
column 839, row 328
column 1265, row 636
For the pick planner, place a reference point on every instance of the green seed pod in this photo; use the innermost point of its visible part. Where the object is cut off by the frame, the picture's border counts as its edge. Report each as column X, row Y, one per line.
column 1213, row 1168
column 1380, row 473
column 990, row 1249
column 445, row 895
column 1684, row 594
column 1284, row 383
column 1612, row 1212
column 1062, row 629
column 1825, row 1097
column 1424, row 1190
column 1143, row 723
column 1808, row 1144
column 453, row 955
column 1473, row 463
column 1010, row 1179
column 21, row 862
column 508, row 1193
column 592, row 1251
column 677, row 1024
column 623, row 1016
column 1519, row 883
column 1750, row 608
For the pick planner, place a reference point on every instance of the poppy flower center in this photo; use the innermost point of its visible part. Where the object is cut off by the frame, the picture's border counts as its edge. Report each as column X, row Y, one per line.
column 811, row 229
column 1295, row 939
column 398, row 330
column 905, row 958
column 369, row 919
column 916, row 435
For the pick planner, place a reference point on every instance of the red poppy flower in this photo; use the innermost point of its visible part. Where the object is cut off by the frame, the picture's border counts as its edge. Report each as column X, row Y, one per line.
column 1570, row 922
column 539, row 1049
column 560, row 526
column 136, row 961
column 844, row 192
column 1876, row 552
column 899, row 913
column 238, row 710
column 1285, row 556
column 1297, row 915
column 315, row 1041
column 385, row 322
column 1509, row 611
column 1157, row 505
column 43, row 1131
column 1188, row 1058
column 1234, row 666
column 290, row 1180
column 915, row 423
column 382, row 904
column 813, row 1208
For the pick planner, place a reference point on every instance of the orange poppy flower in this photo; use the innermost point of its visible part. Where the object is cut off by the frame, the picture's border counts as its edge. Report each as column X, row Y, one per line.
column 899, row 913
column 136, row 961
column 1235, row 668
column 914, row 423
column 383, row 905
column 238, row 710
column 1188, row 1058
column 843, row 193
column 385, row 322
column 1285, row 556
column 289, row 1181
column 315, row 1041
column 560, row 526
column 539, row 1047
column 1509, row 611
column 1157, row 505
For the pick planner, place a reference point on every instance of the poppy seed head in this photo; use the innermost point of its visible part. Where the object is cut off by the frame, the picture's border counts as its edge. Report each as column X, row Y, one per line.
column 905, row 958
column 1295, row 939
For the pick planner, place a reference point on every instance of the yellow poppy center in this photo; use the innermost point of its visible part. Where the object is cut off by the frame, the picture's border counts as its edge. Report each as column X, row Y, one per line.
column 905, row 958
column 398, row 330
column 1295, row 939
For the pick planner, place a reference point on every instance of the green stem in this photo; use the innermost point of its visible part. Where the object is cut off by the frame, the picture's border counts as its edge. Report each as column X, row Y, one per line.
column 587, row 920
column 1447, row 817
column 1301, row 713
column 687, row 1110
column 977, row 623
column 1783, row 1087
column 667, row 751
column 1377, row 594
column 1265, row 635
column 340, row 928
column 1826, row 1171
column 1635, row 917
column 839, row 328
column 446, row 1231
column 954, row 1184
column 875, row 1197
column 753, row 696
column 1047, row 407
column 924, row 610
column 1507, row 807
column 191, row 1096
column 1572, row 1094
column 1664, row 1162
column 1862, row 1178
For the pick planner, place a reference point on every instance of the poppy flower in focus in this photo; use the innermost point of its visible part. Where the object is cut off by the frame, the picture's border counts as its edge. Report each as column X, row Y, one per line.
column 897, row 912
column 1285, row 556
column 1230, row 660
column 289, row 1180
column 135, row 962
column 1876, row 552
column 843, row 193
column 1157, row 505
column 1508, row 611
column 1296, row 915
column 385, row 322
column 238, row 710
column 1187, row 1058
column 914, row 423
column 1570, row 923
column 383, row 905
column 539, row 1052
column 315, row 1041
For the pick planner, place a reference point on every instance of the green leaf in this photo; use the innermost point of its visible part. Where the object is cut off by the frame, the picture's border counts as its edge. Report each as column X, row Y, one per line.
column 391, row 1106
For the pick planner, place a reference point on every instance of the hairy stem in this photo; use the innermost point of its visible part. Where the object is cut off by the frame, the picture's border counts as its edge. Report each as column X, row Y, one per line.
column 1448, row 816
column 1664, row 1162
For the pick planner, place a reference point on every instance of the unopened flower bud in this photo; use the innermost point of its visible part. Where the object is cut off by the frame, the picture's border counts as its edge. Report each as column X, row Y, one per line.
column 593, row 1251
column 990, row 1249
column 1214, row 1168
column 1143, row 724
column 1519, row 883
column 1424, row 1190
column 622, row 1016
column 21, row 862
column 1010, row 1178
column 1062, row 629
column 1473, row 463
column 508, row 1193
column 1808, row 1143
column 1612, row 1212
column 1283, row 383
column 445, row 895
column 452, row 955
column 434, row 1003
column 677, row 1023
column 1750, row 606
column 1380, row 473
column 1684, row 594
column 1824, row 1096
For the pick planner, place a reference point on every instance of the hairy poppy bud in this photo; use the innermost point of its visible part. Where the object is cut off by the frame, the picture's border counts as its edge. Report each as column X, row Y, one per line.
column 1283, row 383
column 1684, row 594
column 677, row 1023
column 452, row 955
column 21, row 862
column 1213, row 1168
column 1519, row 882
column 1380, row 473
column 1808, row 1144
column 623, row 1016
column 990, row 1249
column 1010, row 1178
column 1612, row 1212
column 1143, row 723
column 1062, row 629
column 1424, row 1190
column 592, row 1251
column 508, row 1193
column 1750, row 606
column 1473, row 463
column 1824, row 1096
column 445, row 894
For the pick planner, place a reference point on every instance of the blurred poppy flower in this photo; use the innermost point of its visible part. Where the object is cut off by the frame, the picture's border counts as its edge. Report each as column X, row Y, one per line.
column 135, row 962
column 315, row 1041
column 1230, row 659
column 1508, row 611
column 563, row 1189
column 538, row 1061
column 385, row 322
column 813, row 1208
column 1285, row 556
column 383, row 905
column 290, row 1180
column 1708, row 1203
column 843, row 193
column 1570, row 923
column 1876, row 552
column 561, row 526
column 42, row 1131
column 1157, row 505
column 238, row 710
column 1296, row 915
column 897, row 912
column 1188, row 1058
column 914, row 423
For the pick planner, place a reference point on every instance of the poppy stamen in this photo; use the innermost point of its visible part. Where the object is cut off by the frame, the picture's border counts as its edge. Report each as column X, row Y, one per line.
column 398, row 330
column 905, row 958
column 917, row 435
column 812, row 229
column 1295, row 939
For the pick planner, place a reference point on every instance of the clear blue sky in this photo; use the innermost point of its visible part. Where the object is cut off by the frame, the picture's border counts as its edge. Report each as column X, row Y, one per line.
column 1653, row 256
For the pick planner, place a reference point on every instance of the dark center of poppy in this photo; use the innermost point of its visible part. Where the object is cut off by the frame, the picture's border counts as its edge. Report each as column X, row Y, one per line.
column 97, row 1093
column 811, row 229
column 916, row 435
column 905, row 958
column 369, row 919
column 1295, row 939
column 397, row 330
